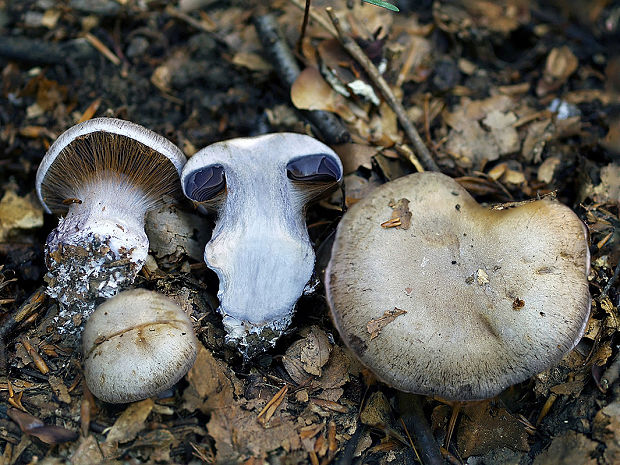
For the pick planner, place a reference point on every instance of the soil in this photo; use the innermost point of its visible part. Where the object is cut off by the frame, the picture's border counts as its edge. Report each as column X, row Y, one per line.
column 515, row 99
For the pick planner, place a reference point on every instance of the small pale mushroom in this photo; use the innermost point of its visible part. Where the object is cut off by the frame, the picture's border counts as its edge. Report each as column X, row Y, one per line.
column 463, row 301
column 136, row 345
column 104, row 175
column 260, row 248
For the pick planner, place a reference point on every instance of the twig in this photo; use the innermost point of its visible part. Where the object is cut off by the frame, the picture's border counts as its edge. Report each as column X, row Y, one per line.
column 172, row 11
column 346, row 456
column 304, row 25
column 102, row 48
column 406, row 152
column 415, row 451
column 317, row 18
column 611, row 282
column 282, row 59
column 39, row 51
column 358, row 54
column 410, row 406
column 21, row 314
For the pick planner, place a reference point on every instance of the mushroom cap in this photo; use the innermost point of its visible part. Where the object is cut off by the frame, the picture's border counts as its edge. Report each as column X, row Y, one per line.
column 137, row 154
column 135, row 345
column 465, row 302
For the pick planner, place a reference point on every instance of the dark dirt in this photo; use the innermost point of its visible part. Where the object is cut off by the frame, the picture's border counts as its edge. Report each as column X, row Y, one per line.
column 480, row 88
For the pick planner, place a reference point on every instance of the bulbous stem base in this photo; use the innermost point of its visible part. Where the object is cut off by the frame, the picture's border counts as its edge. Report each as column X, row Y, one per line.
column 96, row 250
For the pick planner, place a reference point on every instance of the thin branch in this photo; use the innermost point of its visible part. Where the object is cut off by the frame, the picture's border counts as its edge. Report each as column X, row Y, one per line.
column 281, row 58
column 410, row 406
column 358, row 54
column 304, row 26
column 317, row 18
column 9, row 324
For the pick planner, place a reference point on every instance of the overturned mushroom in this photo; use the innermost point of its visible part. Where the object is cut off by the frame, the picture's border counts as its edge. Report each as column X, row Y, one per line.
column 260, row 248
column 105, row 174
column 136, row 345
column 463, row 301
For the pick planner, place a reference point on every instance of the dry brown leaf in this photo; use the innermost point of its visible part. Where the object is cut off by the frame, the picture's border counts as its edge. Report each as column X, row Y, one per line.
column 315, row 351
column 481, row 130
column 480, row 427
column 355, row 155
column 60, row 389
column 157, row 444
column 251, row 61
column 609, row 188
column 307, row 356
column 374, row 327
column 401, row 216
column 87, row 452
column 377, row 411
column 336, row 372
column 211, row 385
column 501, row 16
column 292, row 362
column 238, row 435
column 130, row 422
column 19, row 213
column 561, row 63
column 384, row 127
column 571, row 447
column 311, row 92
column 546, row 170
column 49, row 434
column 50, row 94
column 347, row 76
column 538, row 134
column 606, row 429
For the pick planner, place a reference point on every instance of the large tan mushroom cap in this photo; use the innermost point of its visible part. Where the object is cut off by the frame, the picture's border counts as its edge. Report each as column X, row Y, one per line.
column 137, row 344
column 491, row 296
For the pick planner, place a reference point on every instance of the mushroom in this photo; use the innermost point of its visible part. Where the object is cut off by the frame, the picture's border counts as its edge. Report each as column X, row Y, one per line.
column 260, row 247
column 105, row 174
column 136, row 345
column 464, row 300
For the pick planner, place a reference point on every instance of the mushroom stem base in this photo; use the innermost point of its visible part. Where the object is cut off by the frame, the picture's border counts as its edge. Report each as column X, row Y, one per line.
column 94, row 252
column 252, row 338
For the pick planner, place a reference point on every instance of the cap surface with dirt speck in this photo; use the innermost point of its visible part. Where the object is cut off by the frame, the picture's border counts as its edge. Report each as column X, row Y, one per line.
column 438, row 295
column 136, row 345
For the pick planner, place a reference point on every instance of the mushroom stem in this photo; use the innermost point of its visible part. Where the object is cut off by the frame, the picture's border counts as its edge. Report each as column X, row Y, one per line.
column 410, row 406
column 108, row 209
column 101, row 235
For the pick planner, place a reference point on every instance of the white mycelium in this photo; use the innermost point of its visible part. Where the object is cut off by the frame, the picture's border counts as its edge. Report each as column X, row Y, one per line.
column 260, row 247
column 106, row 174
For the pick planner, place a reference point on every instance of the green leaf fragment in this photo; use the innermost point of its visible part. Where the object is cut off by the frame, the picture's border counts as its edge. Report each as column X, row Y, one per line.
column 383, row 4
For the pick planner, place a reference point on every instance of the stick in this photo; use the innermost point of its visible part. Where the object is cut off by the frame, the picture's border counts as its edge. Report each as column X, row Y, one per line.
column 410, row 406
column 22, row 313
column 304, row 25
column 282, row 59
column 49, row 53
column 358, row 54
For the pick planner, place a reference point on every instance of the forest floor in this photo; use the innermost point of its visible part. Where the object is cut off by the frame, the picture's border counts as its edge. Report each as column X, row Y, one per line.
column 515, row 99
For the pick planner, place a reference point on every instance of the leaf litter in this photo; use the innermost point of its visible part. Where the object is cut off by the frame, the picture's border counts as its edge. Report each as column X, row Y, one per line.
column 518, row 106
